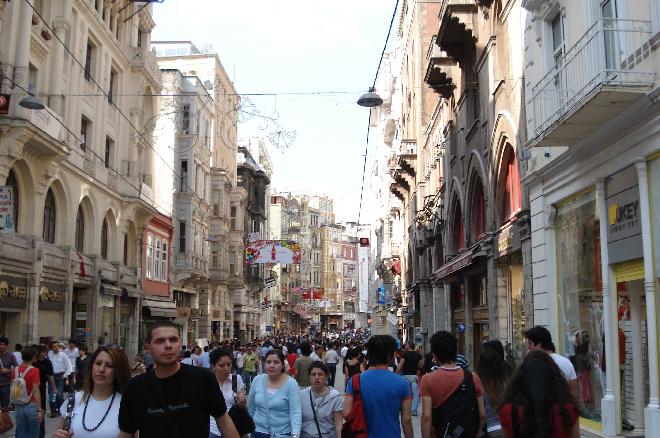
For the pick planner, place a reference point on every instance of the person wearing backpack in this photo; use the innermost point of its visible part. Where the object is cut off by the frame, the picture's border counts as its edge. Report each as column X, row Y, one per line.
column 25, row 396
column 452, row 397
column 385, row 396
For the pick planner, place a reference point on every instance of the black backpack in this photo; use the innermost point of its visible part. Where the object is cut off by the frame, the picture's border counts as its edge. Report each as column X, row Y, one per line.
column 458, row 416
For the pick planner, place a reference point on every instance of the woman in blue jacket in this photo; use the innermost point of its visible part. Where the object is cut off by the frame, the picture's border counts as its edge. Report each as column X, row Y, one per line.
column 274, row 400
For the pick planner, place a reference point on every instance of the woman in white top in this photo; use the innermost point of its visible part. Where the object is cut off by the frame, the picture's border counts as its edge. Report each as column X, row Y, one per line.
column 96, row 407
column 221, row 362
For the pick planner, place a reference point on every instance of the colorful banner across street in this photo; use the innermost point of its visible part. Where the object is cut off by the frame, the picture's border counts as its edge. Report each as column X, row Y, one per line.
column 273, row 251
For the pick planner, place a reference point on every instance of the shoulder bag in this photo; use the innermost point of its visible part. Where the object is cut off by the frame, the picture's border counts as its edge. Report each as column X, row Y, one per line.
column 5, row 420
column 241, row 418
column 316, row 420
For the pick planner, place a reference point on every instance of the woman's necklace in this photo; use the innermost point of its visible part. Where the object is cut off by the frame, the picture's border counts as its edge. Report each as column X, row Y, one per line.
column 104, row 415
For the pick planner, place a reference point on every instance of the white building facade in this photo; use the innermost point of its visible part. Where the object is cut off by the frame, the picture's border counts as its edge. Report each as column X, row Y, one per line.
column 594, row 186
column 81, row 170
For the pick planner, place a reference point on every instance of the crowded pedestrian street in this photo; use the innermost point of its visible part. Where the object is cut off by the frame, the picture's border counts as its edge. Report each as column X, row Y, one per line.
column 344, row 219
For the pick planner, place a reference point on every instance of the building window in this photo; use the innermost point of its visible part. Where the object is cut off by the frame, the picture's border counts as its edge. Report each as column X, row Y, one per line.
column 84, row 131
column 89, row 59
column 557, row 29
column 184, row 176
column 13, row 185
column 32, row 79
column 163, row 260
column 49, row 217
column 125, row 258
column 185, row 121
column 80, row 231
column 104, row 239
column 232, row 217
column 157, row 259
column 109, row 146
column 478, row 209
column 112, row 86
column 150, row 255
column 511, row 190
column 182, row 236
column 457, row 228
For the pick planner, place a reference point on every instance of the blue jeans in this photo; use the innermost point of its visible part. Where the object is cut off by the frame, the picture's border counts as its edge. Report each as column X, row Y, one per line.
column 332, row 367
column 248, row 377
column 4, row 395
column 59, row 393
column 27, row 425
column 412, row 379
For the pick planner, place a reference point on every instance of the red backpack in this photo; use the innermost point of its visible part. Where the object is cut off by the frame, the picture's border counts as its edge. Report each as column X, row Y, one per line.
column 356, row 423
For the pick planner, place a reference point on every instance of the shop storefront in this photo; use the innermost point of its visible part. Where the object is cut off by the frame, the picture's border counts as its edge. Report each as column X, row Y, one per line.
column 51, row 306
column 13, row 301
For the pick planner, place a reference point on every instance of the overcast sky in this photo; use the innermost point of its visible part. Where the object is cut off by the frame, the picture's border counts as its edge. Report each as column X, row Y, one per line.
column 284, row 46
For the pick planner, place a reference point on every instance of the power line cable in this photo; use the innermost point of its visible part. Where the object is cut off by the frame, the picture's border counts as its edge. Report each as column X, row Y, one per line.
column 102, row 159
column 366, row 148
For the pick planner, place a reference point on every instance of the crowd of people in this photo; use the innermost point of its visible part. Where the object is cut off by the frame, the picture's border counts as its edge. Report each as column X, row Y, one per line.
column 285, row 386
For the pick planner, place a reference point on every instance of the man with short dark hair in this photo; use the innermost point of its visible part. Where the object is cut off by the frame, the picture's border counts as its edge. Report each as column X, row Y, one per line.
column 62, row 369
column 173, row 400
column 45, row 367
column 438, row 386
column 539, row 338
column 7, row 362
column 385, row 395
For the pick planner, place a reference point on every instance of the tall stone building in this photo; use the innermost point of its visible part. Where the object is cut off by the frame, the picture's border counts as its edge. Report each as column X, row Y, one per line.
column 81, row 170
column 254, row 172
column 453, row 143
column 224, row 230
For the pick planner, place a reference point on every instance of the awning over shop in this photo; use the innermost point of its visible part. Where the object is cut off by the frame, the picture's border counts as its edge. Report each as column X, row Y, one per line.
column 462, row 261
column 163, row 309
column 109, row 289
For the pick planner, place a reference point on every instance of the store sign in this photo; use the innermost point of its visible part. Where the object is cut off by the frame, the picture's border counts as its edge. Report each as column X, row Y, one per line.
column 47, row 121
column 624, row 227
column 7, row 219
column 12, row 295
column 50, row 299
column 508, row 240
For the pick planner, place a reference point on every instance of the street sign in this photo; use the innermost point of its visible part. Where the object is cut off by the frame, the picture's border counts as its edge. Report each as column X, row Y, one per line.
column 270, row 282
column 269, row 328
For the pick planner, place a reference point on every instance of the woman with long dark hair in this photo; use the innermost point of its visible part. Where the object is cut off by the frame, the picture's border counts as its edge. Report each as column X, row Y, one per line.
column 96, row 407
column 494, row 374
column 538, row 402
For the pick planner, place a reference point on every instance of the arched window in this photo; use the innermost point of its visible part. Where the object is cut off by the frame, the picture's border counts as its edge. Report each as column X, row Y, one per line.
column 510, row 201
column 104, row 239
column 478, row 211
column 80, row 231
column 125, row 258
column 49, row 217
column 11, row 182
column 458, row 232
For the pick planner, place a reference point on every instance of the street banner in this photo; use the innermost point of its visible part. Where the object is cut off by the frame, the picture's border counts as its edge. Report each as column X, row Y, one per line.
column 287, row 252
column 7, row 218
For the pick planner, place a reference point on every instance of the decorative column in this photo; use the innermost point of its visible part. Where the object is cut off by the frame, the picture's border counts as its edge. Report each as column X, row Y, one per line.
column 68, row 312
column 652, row 410
column 22, row 59
column 55, row 99
column 610, row 403
column 34, row 280
column 639, row 392
column 426, row 311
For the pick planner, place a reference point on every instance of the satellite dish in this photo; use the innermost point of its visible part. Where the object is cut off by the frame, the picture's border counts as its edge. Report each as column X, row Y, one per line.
column 208, row 84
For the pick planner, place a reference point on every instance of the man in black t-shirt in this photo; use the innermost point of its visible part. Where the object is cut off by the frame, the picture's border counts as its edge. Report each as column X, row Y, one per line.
column 411, row 361
column 46, row 374
column 173, row 400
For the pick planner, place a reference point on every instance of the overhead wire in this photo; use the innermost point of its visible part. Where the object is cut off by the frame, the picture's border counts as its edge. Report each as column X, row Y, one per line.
column 102, row 159
column 366, row 149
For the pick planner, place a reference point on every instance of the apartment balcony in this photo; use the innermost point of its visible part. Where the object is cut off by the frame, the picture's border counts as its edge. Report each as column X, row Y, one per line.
column 456, row 30
column 144, row 61
column 606, row 71
column 438, row 66
column 191, row 267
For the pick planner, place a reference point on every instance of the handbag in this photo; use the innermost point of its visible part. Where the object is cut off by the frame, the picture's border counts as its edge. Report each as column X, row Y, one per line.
column 242, row 420
column 5, row 420
column 316, row 420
